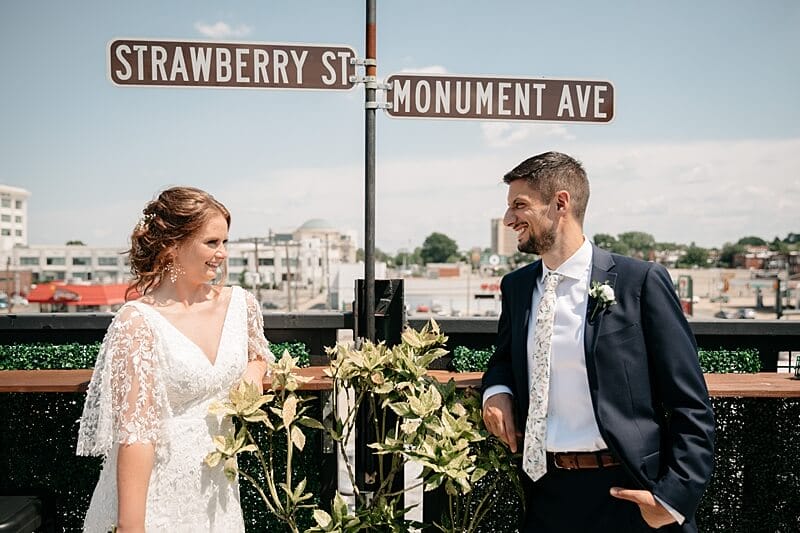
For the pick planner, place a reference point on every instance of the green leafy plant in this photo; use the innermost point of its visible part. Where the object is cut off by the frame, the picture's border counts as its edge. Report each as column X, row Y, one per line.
column 296, row 349
column 412, row 417
column 496, row 471
column 739, row 361
column 44, row 356
column 470, row 359
column 415, row 418
column 282, row 412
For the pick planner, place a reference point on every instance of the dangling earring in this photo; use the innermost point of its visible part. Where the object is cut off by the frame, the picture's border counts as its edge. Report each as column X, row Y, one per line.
column 174, row 270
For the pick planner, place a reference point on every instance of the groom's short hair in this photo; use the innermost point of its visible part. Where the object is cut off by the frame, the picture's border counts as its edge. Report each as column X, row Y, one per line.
column 550, row 172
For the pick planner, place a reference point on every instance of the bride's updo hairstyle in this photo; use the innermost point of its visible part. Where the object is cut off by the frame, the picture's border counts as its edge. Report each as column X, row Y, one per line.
column 167, row 222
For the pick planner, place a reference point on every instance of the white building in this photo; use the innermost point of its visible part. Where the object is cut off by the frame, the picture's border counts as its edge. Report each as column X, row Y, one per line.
column 340, row 245
column 72, row 263
column 309, row 257
column 13, row 219
column 504, row 239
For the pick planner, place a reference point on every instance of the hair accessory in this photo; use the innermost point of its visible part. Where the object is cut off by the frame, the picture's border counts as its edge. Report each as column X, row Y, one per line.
column 174, row 271
column 144, row 220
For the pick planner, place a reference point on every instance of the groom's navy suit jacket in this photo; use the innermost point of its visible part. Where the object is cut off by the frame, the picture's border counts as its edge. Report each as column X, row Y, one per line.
column 648, row 393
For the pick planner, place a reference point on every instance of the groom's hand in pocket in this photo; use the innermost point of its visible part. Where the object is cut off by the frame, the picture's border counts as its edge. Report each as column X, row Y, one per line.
column 655, row 514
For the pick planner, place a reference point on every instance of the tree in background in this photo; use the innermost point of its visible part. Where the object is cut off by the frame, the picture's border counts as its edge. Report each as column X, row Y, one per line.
column 439, row 248
column 779, row 246
column 520, row 258
column 606, row 241
column 752, row 241
column 610, row 243
column 380, row 256
column 404, row 257
column 639, row 243
column 695, row 256
column 728, row 252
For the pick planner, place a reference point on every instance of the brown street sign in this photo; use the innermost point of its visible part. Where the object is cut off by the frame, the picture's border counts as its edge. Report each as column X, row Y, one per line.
column 495, row 98
column 230, row 65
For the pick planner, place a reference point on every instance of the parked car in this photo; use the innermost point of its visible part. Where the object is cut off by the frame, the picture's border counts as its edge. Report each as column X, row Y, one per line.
column 720, row 298
column 745, row 313
column 437, row 308
column 724, row 313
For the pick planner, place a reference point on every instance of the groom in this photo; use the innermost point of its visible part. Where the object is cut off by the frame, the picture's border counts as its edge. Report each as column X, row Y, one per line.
column 595, row 376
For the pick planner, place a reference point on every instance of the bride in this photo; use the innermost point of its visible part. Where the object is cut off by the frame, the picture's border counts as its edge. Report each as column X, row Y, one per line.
column 166, row 356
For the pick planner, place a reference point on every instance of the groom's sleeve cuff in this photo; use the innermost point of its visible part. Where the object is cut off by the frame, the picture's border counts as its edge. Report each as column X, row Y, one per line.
column 495, row 389
column 675, row 514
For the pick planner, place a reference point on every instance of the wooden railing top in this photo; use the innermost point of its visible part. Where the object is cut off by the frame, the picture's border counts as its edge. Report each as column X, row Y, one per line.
column 761, row 385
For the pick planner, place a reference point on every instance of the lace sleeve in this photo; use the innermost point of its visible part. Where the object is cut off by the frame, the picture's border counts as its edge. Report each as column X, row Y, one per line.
column 125, row 402
column 257, row 345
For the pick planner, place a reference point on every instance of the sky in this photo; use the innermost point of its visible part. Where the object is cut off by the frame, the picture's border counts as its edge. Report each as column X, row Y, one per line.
column 704, row 146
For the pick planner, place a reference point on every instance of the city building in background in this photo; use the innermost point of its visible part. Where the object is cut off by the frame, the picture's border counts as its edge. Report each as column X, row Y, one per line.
column 13, row 219
column 293, row 271
column 504, row 239
column 71, row 263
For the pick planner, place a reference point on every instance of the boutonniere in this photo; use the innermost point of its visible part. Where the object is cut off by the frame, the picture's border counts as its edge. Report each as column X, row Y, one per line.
column 603, row 295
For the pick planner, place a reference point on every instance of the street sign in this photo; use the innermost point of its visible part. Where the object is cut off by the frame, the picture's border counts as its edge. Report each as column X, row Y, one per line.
column 495, row 98
column 230, row 65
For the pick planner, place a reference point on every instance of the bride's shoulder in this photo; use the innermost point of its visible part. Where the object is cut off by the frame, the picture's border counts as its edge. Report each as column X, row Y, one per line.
column 248, row 297
column 130, row 317
column 132, row 307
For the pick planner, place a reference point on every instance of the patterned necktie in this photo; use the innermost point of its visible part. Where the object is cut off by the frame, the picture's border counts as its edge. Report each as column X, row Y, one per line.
column 534, row 461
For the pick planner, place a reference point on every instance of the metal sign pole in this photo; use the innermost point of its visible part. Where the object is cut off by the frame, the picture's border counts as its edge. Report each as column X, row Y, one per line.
column 369, row 174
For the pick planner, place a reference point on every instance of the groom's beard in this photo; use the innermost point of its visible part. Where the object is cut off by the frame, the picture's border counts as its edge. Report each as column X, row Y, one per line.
column 539, row 245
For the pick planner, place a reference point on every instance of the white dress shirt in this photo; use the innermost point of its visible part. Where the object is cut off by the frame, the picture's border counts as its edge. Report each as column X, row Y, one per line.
column 571, row 426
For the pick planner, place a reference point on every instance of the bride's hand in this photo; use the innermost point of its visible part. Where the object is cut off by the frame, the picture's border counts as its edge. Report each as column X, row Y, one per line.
column 254, row 374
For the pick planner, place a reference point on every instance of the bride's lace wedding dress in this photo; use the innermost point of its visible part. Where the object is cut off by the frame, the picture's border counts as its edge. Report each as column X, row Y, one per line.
column 152, row 384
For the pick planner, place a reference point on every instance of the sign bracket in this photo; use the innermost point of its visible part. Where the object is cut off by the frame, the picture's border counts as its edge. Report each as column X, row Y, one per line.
column 363, row 62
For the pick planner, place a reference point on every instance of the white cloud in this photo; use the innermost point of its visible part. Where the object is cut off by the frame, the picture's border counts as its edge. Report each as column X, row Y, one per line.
column 747, row 188
column 708, row 192
column 503, row 134
column 222, row 30
column 431, row 69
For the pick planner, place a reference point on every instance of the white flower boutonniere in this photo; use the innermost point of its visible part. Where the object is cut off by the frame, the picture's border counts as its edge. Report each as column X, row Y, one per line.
column 603, row 295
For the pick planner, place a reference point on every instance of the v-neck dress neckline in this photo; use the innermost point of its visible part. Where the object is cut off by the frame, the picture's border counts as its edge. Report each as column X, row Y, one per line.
column 193, row 343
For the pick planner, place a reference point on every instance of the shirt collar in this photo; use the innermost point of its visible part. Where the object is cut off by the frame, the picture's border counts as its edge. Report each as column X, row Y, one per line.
column 577, row 265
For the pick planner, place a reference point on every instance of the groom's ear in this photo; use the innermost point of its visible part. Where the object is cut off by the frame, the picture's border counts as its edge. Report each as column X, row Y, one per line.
column 562, row 200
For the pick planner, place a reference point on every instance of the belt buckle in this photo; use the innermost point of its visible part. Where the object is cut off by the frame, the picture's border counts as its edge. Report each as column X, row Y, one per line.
column 571, row 462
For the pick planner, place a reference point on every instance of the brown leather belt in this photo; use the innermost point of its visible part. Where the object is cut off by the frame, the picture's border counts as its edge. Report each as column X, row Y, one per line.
column 582, row 460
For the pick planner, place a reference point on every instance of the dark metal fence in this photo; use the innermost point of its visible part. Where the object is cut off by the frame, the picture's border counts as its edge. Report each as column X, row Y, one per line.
column 772, row 338
column 777, row 341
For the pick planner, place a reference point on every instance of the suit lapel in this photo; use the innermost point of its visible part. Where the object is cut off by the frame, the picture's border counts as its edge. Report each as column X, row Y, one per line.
column 602, row 271
column 523, row 308
column 519, row 352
